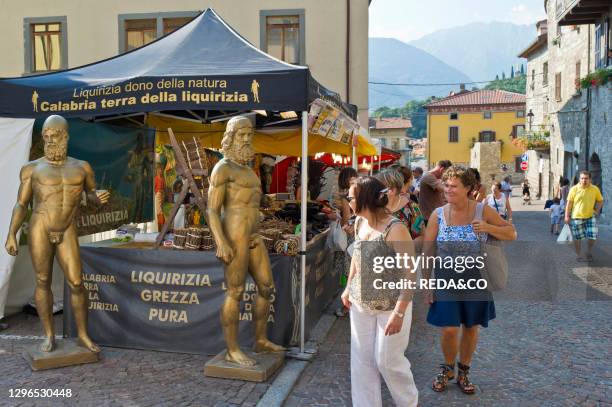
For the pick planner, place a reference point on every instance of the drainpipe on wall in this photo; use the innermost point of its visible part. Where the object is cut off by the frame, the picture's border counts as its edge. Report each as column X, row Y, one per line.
column 348, row 50
column 587, row 141
column 587, row 132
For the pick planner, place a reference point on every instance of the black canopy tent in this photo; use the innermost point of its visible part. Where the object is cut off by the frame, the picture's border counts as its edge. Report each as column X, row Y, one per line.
column 203, row 66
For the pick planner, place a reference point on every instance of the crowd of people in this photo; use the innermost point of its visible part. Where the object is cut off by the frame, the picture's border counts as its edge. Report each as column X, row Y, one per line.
column 400, row 208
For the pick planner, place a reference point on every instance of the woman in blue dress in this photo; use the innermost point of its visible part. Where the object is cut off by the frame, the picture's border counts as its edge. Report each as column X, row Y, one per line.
column 458, row 229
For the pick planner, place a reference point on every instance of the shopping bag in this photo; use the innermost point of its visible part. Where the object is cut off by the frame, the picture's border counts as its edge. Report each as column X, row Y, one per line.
column 495, row 269
column 337, row 239
column 565, row 235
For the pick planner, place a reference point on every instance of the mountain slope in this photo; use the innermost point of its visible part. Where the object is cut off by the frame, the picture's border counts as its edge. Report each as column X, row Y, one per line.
column 481, row 50
column 391, row 60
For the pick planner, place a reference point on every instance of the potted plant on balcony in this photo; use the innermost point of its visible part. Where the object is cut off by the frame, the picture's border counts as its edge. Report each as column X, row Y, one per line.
column 598, row 78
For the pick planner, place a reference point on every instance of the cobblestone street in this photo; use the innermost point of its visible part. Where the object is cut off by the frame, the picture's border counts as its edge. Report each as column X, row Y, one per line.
column 535, row 353
column 122, row 377
column 540, row 353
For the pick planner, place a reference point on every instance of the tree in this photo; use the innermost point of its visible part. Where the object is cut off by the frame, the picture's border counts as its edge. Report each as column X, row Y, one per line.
column 518, row 84
column 503, row 75
column 522, row 70
column 512, row 72
column 497, row 77
column 414, row 110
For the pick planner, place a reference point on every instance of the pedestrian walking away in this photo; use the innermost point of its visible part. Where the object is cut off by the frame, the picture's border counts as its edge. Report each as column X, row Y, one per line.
column 556, row 211
column 506, row 187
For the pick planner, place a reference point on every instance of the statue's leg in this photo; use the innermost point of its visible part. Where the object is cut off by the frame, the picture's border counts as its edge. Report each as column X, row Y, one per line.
column 260, row 269
column 69, row 258
column 235, row 275
column 41, row 252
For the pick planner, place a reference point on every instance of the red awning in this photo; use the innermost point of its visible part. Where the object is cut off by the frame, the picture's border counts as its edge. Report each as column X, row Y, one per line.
column 387, row 158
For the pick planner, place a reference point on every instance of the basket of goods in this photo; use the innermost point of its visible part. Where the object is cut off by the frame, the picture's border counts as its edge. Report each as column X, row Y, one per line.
column 194, row 238
column 267, row 213
column 180, row 238
column 288, row 247
column 266, row 201
column 273, row 233
column 195, row 154
column 268, row 242
column 208, row 242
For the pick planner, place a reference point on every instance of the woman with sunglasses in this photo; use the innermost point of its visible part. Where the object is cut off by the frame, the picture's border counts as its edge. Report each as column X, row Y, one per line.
column 400, row 205
column 380, row 320
column 342, row 261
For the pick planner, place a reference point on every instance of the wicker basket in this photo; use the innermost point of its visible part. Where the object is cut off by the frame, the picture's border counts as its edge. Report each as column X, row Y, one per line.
column 180, row 238
column 268, row 242
column 208, row 243
column 287, row 247
column 194, row 238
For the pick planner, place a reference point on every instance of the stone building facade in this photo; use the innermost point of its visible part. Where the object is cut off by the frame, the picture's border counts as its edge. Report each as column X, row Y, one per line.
column 393, row 134
column 579, row 41
column 537, row 79
column 569, row 59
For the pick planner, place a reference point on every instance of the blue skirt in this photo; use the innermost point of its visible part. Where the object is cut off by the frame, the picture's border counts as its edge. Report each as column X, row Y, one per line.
column 457, row 313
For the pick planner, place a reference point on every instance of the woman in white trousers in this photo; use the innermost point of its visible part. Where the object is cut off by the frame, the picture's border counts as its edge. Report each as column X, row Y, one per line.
column 374, row 354
column 380, row 327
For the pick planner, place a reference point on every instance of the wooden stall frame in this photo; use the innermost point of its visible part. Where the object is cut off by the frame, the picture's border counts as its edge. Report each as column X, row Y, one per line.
column 183, row 170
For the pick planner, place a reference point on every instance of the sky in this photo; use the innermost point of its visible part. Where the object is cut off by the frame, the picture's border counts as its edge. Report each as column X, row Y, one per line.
column 408, row 20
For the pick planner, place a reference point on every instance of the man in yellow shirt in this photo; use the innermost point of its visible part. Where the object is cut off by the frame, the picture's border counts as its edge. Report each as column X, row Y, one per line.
column 584, row 202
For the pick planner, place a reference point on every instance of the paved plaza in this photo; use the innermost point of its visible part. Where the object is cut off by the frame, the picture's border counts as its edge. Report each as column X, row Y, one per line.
column 549, row 352
column 535, row 353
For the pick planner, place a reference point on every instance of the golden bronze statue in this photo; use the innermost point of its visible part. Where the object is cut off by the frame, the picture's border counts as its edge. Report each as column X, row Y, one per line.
column 235, row 189
column 56, row 183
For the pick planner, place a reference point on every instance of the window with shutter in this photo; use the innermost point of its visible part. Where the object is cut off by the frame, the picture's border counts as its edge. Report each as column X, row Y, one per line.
column 545, row 74
column 558, row 87
column 518, row 130
column 486, row 136
column 453, row 134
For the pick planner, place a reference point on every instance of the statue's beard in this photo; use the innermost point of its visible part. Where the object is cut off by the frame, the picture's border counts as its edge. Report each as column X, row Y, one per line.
column 241, row 154
column 56, row 151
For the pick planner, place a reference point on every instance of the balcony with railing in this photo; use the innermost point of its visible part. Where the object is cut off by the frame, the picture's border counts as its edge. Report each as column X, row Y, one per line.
column 578, row 12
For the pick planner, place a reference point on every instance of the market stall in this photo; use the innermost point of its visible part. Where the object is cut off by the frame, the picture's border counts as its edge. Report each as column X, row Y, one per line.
column 203, row 73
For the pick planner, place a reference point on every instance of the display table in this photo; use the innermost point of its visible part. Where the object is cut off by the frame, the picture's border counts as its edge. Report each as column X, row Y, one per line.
column 169, row 300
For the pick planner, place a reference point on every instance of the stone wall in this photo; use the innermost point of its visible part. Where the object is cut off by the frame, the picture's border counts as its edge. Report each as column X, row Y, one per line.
column 533, row 173
column 486, row 158
column 537, row 91
column 600, row 145
column 567, row 47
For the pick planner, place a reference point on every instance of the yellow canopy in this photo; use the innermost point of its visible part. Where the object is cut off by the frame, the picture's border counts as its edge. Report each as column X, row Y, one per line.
column 286, row 141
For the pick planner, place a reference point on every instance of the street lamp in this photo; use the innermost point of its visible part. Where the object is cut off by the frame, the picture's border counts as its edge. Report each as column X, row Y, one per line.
column 530, row 118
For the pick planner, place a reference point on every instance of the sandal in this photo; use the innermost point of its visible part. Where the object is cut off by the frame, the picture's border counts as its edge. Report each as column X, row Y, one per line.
column 441, row 381
column 463, row 379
